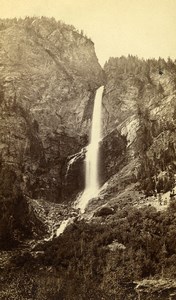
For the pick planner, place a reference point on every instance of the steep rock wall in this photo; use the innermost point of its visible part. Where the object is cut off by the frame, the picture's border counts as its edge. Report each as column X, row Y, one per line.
column 139, row 102
column 49, row 75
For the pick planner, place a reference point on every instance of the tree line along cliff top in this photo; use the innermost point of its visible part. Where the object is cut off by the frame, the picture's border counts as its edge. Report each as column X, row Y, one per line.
column 50, row 23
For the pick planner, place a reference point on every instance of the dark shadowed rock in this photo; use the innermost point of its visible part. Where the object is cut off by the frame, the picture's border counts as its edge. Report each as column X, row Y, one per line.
column 104, row 211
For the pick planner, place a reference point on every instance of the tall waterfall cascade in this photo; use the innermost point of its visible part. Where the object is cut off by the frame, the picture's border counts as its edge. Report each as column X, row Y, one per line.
column 92, row 155
column 91, row 163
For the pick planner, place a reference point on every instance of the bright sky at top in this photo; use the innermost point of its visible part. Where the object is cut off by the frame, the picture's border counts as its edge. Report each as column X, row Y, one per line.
column 146, row 28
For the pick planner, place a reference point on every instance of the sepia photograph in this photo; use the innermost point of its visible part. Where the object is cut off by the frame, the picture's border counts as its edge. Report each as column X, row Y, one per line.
column 88, row 150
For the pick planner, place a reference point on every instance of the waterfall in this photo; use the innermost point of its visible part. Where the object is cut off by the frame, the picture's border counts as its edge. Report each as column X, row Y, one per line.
column 92, row 155
column 91, row 162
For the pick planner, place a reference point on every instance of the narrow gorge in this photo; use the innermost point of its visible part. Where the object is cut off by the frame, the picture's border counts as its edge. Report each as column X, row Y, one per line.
column 88, row 168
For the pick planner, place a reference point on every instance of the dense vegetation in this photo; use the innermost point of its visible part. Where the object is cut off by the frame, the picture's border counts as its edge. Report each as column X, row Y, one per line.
column 103, row 258
column 51, row 24
column 136, row 66
column 17, row 222
column 13, row 206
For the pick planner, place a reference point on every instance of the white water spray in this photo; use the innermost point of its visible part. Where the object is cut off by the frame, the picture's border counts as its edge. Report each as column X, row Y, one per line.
column 62, row 227
column 92, row 155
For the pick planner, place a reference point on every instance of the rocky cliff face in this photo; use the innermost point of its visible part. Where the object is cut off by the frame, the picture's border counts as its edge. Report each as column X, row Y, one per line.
column 140, row 102
column 49, row 75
